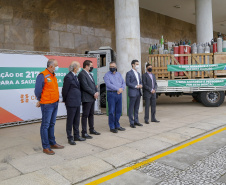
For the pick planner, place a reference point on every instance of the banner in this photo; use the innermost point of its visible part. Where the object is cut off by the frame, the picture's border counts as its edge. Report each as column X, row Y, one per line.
column 18, row 74
column 197, row 83
column 203, row 67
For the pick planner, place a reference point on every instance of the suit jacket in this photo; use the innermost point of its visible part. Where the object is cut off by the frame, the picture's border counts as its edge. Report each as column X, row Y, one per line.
column 131, row 82
column 71, row 91
column 88, row 86
column 147, row 85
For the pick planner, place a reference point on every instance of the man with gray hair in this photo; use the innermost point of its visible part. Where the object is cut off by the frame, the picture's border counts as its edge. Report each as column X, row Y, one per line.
column 47, row 93
column 72, row 97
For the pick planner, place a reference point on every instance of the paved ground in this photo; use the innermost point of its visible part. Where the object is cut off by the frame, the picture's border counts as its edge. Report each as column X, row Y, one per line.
column 22, row 160
column 201, row 163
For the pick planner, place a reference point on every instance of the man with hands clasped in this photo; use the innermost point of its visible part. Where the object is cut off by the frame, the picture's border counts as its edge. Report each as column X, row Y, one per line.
column 149, row 93
column 133, row 81
column 72, row 97
column 89, row 96
column 115, row 86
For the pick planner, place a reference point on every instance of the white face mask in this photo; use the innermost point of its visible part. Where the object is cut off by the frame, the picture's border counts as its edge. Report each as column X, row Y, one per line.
column 79, row 70
column 56, row 68
column 137, row 67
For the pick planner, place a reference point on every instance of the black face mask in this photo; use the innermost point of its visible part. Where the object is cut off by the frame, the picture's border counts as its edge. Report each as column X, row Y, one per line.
column 91, row 69
column 113, row 69
column 149, row 69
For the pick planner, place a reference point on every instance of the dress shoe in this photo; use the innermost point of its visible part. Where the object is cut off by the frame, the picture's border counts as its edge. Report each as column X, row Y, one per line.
column 132, row 126
column 56, row 146
column 155, row 121
column 71, row 142
column 87, row 136
column 114, row 130
column 94, row 132
column 79, row 139
column 138, row 124
column 147, row 122
column 121, row 129
column 48, row 151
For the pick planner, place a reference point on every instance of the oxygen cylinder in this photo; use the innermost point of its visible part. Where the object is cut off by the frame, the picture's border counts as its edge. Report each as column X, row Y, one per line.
column 224, row 46
column 219, row 44
column 214, row 47
column 186, row 51
column 176, row 51
column 181, row 59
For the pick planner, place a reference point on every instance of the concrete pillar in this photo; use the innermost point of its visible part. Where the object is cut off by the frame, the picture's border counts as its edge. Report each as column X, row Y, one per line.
column 127, row 28
column 204, row 21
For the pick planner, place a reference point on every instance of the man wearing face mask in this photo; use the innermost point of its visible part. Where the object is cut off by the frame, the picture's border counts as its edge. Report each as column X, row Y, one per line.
column 89, row 96
column 47, row 94
column 115, row 86
column 133, row 81
column 149, row 93
column 72, row 97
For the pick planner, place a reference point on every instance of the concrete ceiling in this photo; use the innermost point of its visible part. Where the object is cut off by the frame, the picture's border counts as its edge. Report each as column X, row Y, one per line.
column 186, row 12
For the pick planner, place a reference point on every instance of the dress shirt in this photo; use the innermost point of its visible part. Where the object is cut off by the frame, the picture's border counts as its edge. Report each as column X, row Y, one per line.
column 137, row 77
column 153, row 85
column 114, row 81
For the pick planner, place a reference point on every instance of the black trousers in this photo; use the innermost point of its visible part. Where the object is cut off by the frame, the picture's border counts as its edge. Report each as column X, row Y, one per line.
column 87, row 113
column 150, row 101
column 73, row 118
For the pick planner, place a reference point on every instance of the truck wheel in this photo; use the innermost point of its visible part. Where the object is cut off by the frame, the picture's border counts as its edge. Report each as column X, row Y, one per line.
column 103, row 97
column 212, row 98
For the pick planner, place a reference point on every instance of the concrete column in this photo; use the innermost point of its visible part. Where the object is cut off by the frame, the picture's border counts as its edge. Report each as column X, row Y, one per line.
column 127, row 28
column 204, row 21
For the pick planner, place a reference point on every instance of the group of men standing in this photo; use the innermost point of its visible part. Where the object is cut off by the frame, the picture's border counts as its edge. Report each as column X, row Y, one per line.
column 79, row 87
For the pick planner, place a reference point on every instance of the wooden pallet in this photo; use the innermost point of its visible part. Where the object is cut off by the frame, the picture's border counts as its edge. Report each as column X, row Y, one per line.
column 204, row 58
column 187, row 74
column 220, row 58
column 159, row 65
column 160, row 62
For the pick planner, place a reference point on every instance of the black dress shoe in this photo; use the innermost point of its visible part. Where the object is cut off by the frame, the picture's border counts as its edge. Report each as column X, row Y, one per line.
column 79, row 139
column 147, row 122
column 71, row 142
column 94, row 132
column 138, row 124
column 121, row 129
column 87, row 136
column 114, row 130
column 155, row 121
column 132, row 126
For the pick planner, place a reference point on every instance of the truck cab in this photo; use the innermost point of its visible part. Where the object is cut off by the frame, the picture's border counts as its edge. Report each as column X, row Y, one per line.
column 105, row 55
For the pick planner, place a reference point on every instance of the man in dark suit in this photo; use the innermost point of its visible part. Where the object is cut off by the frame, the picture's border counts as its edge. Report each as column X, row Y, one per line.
column 133, row 81
column 149, row 93
column 72, row 97
column 89, row 96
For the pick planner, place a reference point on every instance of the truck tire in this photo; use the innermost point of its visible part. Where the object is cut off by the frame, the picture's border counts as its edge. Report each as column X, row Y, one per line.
column 103, row 97
column 212, row 98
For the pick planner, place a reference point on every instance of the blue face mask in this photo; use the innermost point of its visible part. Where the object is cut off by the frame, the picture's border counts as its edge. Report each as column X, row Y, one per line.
column 56, row 68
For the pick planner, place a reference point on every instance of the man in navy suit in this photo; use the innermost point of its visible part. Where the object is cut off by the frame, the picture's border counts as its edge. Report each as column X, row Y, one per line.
column 72, row 97
column 133, row 81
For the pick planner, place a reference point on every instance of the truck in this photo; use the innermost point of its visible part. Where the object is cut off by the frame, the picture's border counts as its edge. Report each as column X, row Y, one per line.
column 203, row 78
column 206, row 85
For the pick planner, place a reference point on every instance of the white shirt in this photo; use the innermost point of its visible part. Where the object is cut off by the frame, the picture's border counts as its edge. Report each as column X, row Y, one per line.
column 137, row 77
